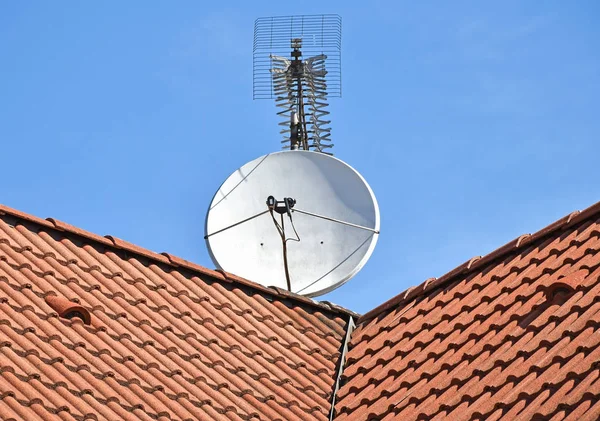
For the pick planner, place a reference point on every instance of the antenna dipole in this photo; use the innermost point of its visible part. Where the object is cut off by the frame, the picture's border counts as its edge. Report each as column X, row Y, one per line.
column 300, row 86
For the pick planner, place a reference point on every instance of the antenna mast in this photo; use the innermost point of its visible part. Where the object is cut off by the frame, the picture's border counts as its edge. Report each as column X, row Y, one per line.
column 300, row 86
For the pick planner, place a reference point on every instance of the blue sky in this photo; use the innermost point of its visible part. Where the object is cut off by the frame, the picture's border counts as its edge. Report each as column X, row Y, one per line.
column 473, row 123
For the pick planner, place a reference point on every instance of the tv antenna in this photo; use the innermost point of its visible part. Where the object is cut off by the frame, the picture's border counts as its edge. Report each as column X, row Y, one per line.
column 297, row 62
column 297, row 219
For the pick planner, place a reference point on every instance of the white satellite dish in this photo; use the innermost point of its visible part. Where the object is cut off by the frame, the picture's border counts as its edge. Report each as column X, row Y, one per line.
column 299, row 220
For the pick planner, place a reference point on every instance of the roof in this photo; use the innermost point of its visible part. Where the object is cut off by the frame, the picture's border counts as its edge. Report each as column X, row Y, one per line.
column 512, row 335
column 96, row 328
column 93, row 327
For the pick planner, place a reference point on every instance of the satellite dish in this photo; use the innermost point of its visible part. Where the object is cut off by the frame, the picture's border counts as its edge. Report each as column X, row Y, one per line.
column 300, row 220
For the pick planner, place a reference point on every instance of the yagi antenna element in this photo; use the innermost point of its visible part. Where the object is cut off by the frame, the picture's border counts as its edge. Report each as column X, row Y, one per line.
column 297, row 62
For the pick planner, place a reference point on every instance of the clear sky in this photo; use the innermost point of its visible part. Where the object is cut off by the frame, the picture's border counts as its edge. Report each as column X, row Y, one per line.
column 473, row 123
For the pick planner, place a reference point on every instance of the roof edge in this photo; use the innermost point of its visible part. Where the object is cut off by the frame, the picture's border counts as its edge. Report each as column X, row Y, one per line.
column 477, row 262
column 174, row 261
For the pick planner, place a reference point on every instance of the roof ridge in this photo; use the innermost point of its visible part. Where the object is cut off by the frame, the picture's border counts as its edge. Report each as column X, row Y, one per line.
column 174, row 261
column 478, row 261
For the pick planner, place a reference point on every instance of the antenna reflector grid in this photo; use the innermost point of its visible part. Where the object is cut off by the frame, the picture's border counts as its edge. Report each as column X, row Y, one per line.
column 316, row 35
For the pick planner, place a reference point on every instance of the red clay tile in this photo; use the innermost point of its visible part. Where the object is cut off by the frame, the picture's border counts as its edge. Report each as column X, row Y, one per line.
column 167, row 340
column 512, row 335
column 484, row 341
column 68, row 309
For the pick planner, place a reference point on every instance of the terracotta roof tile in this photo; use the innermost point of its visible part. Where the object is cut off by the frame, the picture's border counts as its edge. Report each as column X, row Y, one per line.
column 97, row 328
column 511, row 335
column 161, row 337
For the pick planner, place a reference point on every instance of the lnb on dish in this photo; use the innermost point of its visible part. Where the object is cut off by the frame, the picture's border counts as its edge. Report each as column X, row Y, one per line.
column 281, row 206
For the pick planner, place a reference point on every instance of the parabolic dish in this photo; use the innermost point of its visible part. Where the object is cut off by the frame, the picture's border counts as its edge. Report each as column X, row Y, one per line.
column 335, row 217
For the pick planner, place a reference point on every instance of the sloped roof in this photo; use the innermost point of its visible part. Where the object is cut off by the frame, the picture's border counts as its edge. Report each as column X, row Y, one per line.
column 96, row 328
column 150, row 336
column 512, row 335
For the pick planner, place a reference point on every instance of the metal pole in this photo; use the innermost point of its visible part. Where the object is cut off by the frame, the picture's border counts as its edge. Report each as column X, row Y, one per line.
column 236, row 224
column 336, row 220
